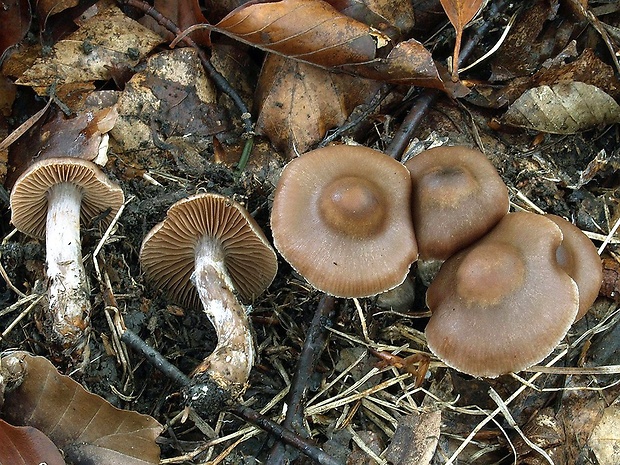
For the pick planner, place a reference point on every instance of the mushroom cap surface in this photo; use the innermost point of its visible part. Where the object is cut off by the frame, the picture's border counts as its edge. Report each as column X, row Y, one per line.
column 578, row 256
column 341, row 217
column 168, row 251
column 504, row 303
column 457, row 197
column 29, row 193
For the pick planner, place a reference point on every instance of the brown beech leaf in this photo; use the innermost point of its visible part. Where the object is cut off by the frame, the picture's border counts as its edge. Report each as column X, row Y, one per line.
column 460, row 12
column 563, row 108
column 298, row 102
column 25, row 445
column 47, row 8
column 312, row 31
column 86, row 427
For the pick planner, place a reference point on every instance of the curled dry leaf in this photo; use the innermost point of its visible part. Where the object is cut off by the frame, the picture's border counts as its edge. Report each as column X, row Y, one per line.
column 563, row 108
column 25, row 445
column 298, row 102
column 313, row 31
column 86, row 427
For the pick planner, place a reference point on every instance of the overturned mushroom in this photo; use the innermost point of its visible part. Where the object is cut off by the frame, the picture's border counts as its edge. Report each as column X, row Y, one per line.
column 341, row 218
column 48, row 201
column 207, row 249
column 503, row 303
column 457, row 197
column 579, row 258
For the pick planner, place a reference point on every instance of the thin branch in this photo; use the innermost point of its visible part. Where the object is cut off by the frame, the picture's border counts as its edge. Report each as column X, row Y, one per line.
column 312, row 350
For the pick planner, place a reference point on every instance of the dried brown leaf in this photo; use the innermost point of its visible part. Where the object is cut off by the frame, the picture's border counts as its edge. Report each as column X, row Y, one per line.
column 415, row 439
column 103, row 41
column 25, row 445
column 87, row 428
column 459, row 12
column 564, row 108
column 298, row 103
column 15, row 18
column 313, row 31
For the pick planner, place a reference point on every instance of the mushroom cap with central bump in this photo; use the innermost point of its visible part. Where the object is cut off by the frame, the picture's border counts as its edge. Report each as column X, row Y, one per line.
column 168, row 252
column 457, row 197
column 29, row 194
column 341, row 217
column 504, row 303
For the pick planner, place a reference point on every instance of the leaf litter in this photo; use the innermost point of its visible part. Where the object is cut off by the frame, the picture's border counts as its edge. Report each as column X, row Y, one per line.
column 168, row 143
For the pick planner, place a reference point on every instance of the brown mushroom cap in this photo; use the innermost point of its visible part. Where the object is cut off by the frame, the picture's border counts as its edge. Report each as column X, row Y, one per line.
column 29, row 194
column 503, row 303
column 579, row 258
column 168, row 251
column 341, row 218
column 457, row 197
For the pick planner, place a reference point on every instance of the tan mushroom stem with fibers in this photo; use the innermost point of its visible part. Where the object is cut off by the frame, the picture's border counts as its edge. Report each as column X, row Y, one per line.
column 207, row 250
column 233, row 357
column 68, row 289
column 504, row 303
column 50, row 200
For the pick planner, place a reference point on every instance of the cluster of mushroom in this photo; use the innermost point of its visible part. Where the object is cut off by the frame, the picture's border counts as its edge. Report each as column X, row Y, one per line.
column 352, row 221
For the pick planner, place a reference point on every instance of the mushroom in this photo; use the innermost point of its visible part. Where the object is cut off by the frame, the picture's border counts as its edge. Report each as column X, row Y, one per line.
column 580, row 259
column 206, row 250
column 504, row 303
column 341, row 217
column 457, row 197
column 47, row 201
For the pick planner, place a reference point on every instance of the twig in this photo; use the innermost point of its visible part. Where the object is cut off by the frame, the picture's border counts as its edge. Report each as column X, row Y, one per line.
column 245, row 413
column 313, row 347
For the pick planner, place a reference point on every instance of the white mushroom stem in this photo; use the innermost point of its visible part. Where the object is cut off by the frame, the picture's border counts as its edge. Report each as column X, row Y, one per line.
column 232, row 359
column 68, row 291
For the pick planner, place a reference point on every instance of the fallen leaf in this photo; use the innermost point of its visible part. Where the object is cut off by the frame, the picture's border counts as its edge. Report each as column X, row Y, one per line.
column 564, row 108
column 606, row 437
column 87, row 55
column 460, row 13
column 15, row 18
column 415, row 439
column 86, row 427
column 312, row 31
column 171, row 98
column 298, row 103
column 25, row 445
